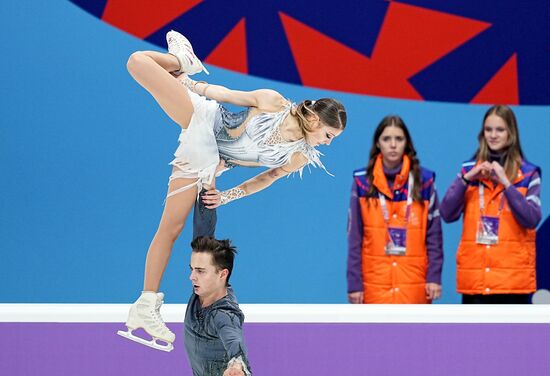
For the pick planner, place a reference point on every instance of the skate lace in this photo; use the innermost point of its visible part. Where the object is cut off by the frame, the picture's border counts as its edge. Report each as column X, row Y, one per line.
column 155, row 313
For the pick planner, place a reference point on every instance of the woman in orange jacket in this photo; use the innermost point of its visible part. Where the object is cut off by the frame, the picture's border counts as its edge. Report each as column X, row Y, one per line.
column 395, row 250
column 498, row 192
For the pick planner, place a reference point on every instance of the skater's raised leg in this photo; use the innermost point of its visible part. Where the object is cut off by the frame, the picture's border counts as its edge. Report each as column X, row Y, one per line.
column 151, row 70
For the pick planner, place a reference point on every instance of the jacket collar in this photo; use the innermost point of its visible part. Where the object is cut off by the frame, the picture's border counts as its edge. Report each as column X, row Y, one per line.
column 379, row 177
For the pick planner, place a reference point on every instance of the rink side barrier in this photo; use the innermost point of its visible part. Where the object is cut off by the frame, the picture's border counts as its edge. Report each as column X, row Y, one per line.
column 288, row 339
column 291, row 313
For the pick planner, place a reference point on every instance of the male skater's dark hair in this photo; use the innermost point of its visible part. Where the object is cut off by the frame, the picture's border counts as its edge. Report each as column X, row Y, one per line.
column 222, row 251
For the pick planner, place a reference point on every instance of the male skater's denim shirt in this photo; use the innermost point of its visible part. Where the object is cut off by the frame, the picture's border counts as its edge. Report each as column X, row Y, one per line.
column 213, row 335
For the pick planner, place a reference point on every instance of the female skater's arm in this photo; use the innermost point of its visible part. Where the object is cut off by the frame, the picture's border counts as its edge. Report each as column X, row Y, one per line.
column 266, row 99
column 214, row 198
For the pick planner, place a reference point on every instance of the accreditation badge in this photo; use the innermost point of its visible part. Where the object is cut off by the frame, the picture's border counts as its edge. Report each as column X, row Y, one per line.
column 487, row 230
column 397, row 241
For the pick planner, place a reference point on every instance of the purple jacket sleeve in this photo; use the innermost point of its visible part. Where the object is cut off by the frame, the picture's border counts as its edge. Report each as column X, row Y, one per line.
column 355, row 238
column 434, row 240
column 452, row 204
column 526, row 209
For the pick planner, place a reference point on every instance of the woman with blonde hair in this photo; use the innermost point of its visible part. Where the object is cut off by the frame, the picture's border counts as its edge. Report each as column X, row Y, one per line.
column 271, row 132
column 498, row 192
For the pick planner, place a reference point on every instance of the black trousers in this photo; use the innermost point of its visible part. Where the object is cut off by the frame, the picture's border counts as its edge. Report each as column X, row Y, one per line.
column 497, row 299
column 204, row 219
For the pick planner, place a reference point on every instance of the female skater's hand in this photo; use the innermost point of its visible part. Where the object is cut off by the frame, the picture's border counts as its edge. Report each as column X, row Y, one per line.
column 211, row 198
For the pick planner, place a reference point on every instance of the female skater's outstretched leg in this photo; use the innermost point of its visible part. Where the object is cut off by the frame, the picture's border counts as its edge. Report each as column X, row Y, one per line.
column 145, row 312
column 173, row 218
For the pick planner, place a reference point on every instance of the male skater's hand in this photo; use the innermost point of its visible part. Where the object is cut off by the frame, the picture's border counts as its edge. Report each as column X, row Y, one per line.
column 234, row 370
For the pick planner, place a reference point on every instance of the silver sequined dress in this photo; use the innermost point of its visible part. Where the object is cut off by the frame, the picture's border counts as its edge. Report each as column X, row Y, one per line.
column 208, row 138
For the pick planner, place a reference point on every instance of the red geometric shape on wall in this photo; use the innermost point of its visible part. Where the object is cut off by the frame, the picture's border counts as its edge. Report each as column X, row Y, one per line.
column 503, row 87
column 324, row 62
column 412, row 38
column 143, row 17
column 231, row 51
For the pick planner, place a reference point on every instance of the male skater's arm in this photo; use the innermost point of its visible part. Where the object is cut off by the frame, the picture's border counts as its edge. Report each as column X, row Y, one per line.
column 229, row 330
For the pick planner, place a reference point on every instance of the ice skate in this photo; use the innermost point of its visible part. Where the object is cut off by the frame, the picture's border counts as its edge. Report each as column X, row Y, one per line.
column 145, row 314
column 181, row 48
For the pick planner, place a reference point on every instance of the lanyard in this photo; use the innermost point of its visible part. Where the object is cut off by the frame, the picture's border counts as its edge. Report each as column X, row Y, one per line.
column 482, row 200
column 384, row 205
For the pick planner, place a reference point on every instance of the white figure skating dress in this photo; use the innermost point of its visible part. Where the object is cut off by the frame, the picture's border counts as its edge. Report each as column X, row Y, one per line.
column 207, row 139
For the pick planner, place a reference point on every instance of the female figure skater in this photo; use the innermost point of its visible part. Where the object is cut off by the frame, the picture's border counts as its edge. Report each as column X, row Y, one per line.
column 270, row 132
column 394, row 234
column 498, row 192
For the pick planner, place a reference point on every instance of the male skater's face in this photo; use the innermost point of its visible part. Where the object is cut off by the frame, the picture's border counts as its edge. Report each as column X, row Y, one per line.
column 206, row 279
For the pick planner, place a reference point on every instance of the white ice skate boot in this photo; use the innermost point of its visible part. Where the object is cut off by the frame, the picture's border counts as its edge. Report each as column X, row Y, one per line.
column 145, row 313
column 181, row 48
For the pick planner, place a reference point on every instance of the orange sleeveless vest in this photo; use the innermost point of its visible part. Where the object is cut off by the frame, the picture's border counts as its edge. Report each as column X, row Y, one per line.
column 507, row 267
column 390, row 278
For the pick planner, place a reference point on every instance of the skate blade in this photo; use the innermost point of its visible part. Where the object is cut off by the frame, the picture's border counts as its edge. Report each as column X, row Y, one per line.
column 153, row 344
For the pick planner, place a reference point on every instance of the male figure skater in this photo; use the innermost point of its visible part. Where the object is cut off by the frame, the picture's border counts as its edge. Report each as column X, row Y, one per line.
column 213, row 320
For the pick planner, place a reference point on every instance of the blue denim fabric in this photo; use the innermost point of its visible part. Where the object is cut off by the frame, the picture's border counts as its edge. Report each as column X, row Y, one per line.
column 204, row 219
